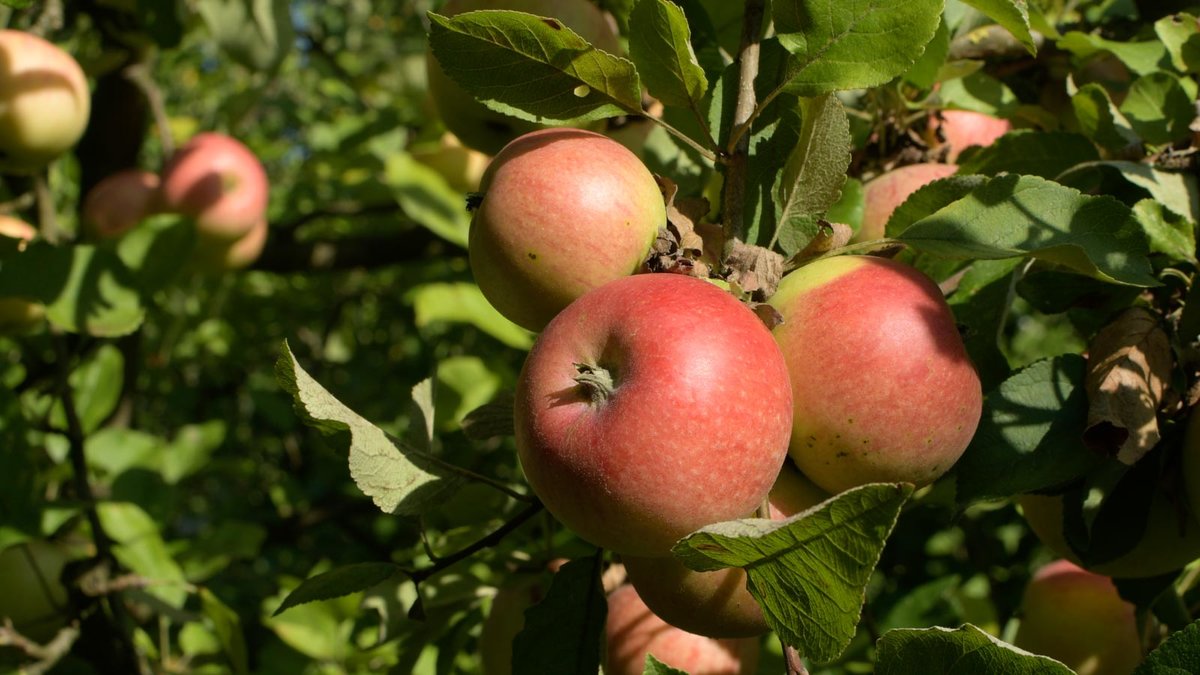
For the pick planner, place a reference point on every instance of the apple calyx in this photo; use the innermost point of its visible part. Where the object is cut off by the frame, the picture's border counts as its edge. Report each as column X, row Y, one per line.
column 596, row 381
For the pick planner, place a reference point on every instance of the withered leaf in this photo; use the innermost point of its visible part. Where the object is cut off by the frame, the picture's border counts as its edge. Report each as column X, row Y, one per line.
column 753, row 269
column 678, row 247
column 829, row 236
column 1129, row 365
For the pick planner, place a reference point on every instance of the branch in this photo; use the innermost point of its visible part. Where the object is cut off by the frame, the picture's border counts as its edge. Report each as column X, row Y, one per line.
column 488, row 541
column 47, row 655
column 138, row 73
column 284, row 254
column 739, row 146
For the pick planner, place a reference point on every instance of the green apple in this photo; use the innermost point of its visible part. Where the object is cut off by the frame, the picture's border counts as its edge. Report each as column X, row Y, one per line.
column 460, row 166
column 44, row 101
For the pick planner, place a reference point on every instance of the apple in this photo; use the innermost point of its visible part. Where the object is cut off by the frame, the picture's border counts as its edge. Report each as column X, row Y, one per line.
column 486, row 130
column 31, row 591
column 1077, row 617
column 1171, row 539
column 716, row 604
column 460, row 166
column 44, row 101
column 18, row 315
column 214, row 257
column 883, row 194
column 961, row 129
column 632, row 631
column 218, row 182
column 119, row 202
column 649, row 408
column 504, row 621
column 563, row 212
column 882, row 385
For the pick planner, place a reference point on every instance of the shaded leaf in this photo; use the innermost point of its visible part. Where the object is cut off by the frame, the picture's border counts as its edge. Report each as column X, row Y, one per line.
column 153, row 249
column 491, row 419
column 1175, row 190
column 1013, row 15
column 1032, row 153
column 1179, row 655
column 808, row 572
column 1159, row 108
column 96, row 385
column 1100, row 120
column 1180, row 34
column 980, row 304
column 1169, row 234
column 228, row 627
column 963, row 651
column 255, row 33
column 338, row 582
column 661, row 48
column 563, row 632
column 930, row 198
column 815, row 171
column 1142, row 58
column 924, row 73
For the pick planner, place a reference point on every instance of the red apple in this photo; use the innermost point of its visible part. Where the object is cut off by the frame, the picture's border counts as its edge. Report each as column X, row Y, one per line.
column 883, row 194
column 651, row 407
column 564, row 211
column 119, row 202
column 1077, row 617
column 18, row 315
column 32, row 594
column 961, row 129
column 44, row 101
column 632, row 631
column 219, row 183
column 884, row 390
column 716, row 604
column 486, row 130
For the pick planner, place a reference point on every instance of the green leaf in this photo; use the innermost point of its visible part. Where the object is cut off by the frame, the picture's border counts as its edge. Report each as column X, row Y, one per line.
column 1032, row 153
column 17, row 4
column 161, row 21
column 228, row 628
column 1179, row 655
column 1142, row 58
column 1159, row 108
column 656, row 667
column 808, row 572
column 141, row 549
column 848, row 209
column 962, row 651
column 427, row 198
column 1012, row 216
column 255, row 33
column 813, row 176
column 1168, row 233
column 852, row 44
column 1180, row 34
column 338, row 582
column 660, row 46
column 563, row 632
column 980, row 305
column 980, row 92
column 924, row 73
column 398, row 478
column 85, row 289
column 1013, row 15
column 463, row 302
column 153, row 249
column 928, row 199
column 1100, row 120
column 1177, row 191
column 533, row 68
column 1031, row 434
column 96, row 386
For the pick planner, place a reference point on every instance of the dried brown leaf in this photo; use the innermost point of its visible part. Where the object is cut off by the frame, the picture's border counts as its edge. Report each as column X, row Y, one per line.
column 829, row 236
column 753, row 269
column 679, row 248
column 1129, row 365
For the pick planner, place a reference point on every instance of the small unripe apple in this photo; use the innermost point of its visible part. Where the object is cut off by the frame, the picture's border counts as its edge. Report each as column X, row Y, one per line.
column 504, row 621
column 18, row 315
column 215, row 257
column 884, row 193
column 32, row 595
column 486, row 130
column 119, row 202
column 460, row 166
column 1171, row 538
column 1077, row 617
column 219, row 183
column 649, row 408
column 883, row 388
column 961, row 129
column 44, row 101
column 716, row 604
column 632, row 631
column 563, row 211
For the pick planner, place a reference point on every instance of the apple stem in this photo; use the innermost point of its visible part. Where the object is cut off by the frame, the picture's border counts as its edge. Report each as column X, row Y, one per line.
column 596, row 381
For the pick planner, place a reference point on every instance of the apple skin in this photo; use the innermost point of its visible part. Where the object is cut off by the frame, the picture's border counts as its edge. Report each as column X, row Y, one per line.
column 695, row 429
column 563, row 211
column 962, row 129
column 1077, row 617
column 487, row 130
column 1167, row 545
column 218, row 182
column 216, row 257
column 460, row 166
column 18, row 315
column 119, row 202
column 31, row 591
column 504, row 621
column 44, row 101
column 717, row 604
column 883, row 388
column 883, row 194
column 632, row 631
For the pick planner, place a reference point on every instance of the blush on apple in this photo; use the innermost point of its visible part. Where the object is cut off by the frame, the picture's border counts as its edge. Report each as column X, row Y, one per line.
column 651, row 407
column 119, row 202
column 962, row 129
column 883, row 194
column 219, row 183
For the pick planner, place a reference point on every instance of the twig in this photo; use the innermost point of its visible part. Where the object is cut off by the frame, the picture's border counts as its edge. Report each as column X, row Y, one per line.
column 706, row 153
column 419, row 575
column 50, row 20
column 138, row 73
column 795, row 666
column 738, row 149
column 18, row 203
column 47, row 218
column 47, row 655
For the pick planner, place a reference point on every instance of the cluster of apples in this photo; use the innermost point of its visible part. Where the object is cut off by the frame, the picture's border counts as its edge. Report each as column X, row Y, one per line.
column 652, row 405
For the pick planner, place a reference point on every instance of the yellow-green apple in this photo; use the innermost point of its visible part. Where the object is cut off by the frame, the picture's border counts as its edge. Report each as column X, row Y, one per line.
column 1171, row 538
column 883, row 194
column 961, row 129
column 486, row 130
column 219, row 183
column 119, row 202
column 460, row 166
column 214, row 257
column 716, row 604
column 563, row 212
column 18, row 315
column 882, row 385
column 1077, row 617
column 504, row 621
column 649, row 408
column 44, row 101
column 32, row 595
column 632, row 631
